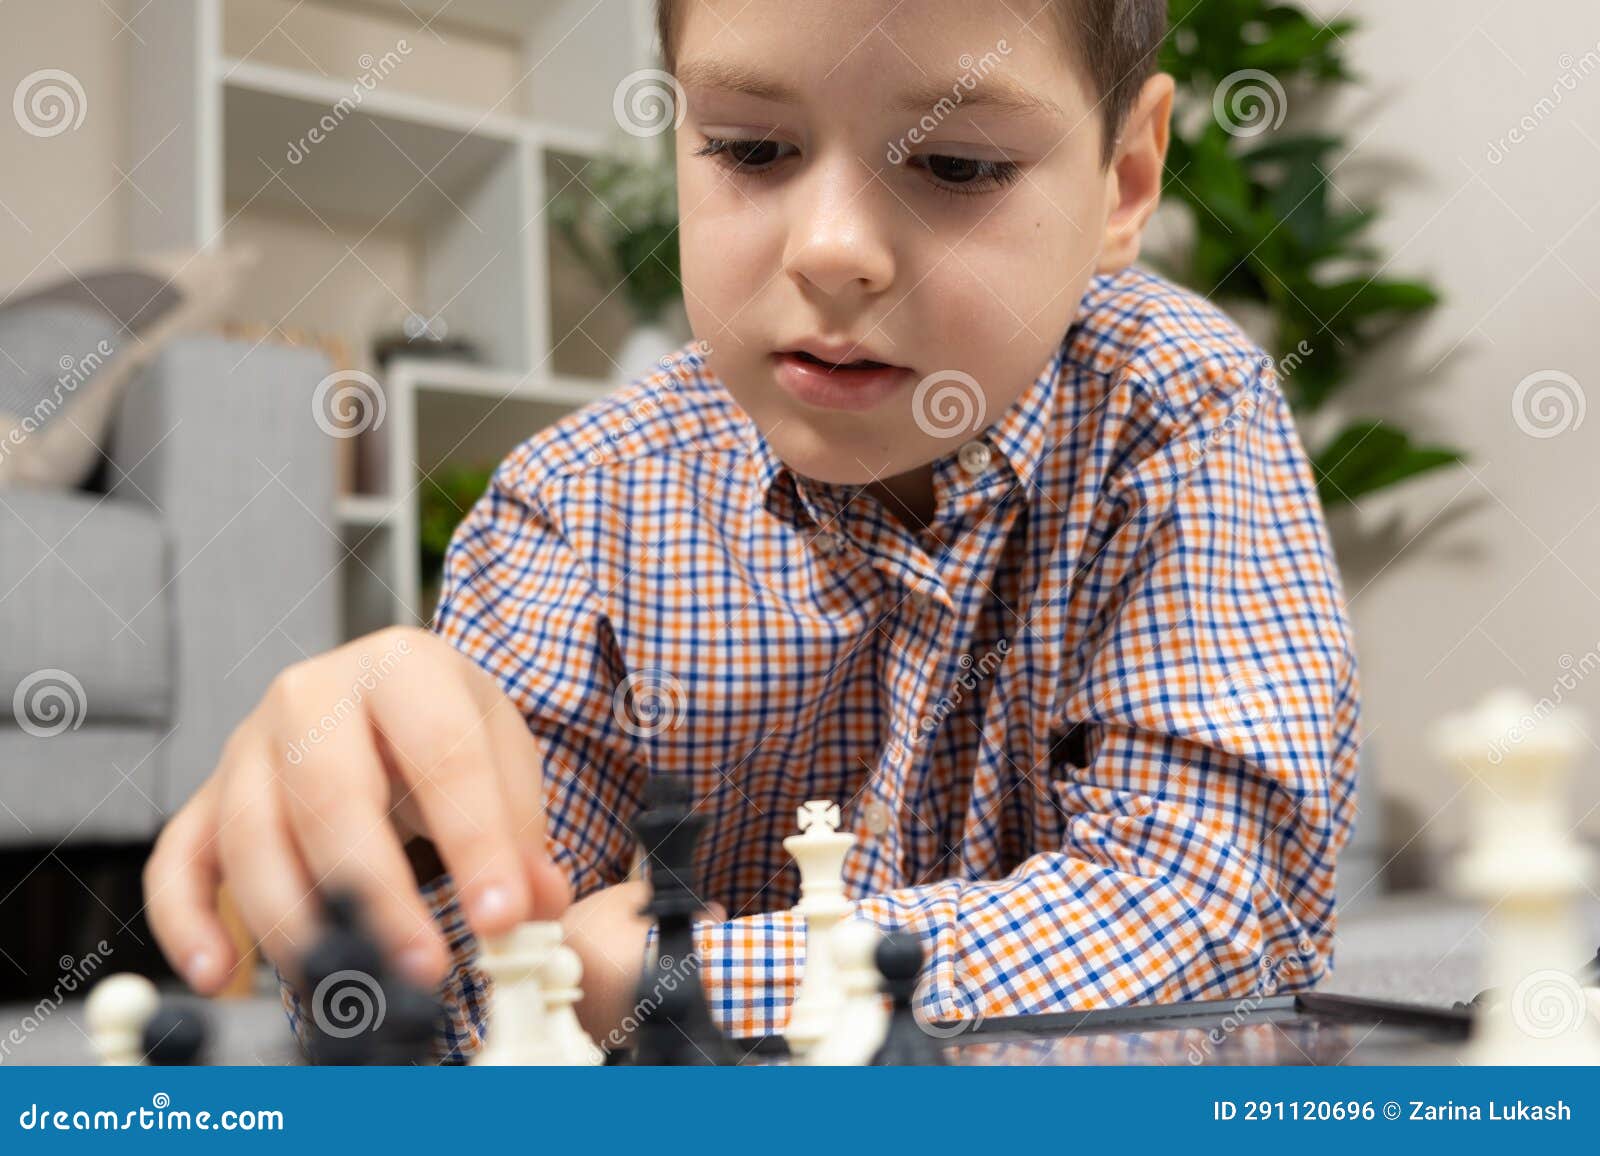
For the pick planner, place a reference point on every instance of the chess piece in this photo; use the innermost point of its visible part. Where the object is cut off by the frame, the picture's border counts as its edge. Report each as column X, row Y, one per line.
column 116, row 1012
column 563, row 972
column 175, row 1036
column 861, row 1020
column 1525, row 866
column 361, row 1013
column 517, row 1033
column 899, row 960
column 675, row 1024
column 819, row 851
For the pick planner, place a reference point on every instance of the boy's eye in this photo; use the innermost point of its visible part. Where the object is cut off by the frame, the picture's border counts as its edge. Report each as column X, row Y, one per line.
column 962, row 176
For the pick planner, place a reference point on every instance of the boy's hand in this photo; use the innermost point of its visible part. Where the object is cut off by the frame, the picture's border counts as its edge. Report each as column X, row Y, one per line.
column 609, row 935
column 426, row 744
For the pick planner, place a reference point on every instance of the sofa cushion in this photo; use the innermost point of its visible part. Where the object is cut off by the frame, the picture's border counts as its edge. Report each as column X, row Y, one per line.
column 83, row 609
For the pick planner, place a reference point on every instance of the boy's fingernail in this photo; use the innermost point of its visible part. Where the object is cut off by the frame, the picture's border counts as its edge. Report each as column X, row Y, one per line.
column 198, row 968
column 414, row 961
column 492, row 903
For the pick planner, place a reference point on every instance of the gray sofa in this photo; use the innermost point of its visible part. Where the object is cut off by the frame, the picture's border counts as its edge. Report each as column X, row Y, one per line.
column 210, row 563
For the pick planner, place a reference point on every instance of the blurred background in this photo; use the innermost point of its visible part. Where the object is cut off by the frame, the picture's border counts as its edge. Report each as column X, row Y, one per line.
column 282, row 280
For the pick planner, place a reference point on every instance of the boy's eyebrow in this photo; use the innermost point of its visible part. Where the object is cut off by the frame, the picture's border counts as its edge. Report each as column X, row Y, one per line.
column 994, row 93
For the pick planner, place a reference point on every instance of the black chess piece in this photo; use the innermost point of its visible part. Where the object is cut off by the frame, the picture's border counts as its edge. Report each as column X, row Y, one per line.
column 175, row 1036
column 361, row 1013
column 675, row 1024
column 899, row 961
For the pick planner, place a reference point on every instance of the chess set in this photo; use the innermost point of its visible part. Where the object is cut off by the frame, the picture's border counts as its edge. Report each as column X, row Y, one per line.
column 856, row 1004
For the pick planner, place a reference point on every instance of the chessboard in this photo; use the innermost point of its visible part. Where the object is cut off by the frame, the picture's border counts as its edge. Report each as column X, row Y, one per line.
column 858, row 1000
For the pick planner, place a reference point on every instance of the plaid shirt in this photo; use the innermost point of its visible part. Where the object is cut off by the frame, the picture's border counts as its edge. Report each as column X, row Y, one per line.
column 1094, row 728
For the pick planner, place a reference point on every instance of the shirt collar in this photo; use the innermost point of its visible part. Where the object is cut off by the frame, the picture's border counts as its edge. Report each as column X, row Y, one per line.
column 1017, row 443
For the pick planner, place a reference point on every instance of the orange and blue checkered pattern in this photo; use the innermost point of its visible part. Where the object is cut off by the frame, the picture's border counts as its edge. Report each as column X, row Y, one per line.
column 1095, row 727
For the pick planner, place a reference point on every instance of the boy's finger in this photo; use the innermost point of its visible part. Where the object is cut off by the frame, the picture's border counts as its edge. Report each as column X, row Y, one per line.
column 181, row 879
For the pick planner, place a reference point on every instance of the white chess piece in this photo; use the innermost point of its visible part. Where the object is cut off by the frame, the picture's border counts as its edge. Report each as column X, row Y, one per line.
column 863, row 1018
column 1526, row 867
column 563, row 971
column 518, row 1029
column 819, row 851
column 116, row 1012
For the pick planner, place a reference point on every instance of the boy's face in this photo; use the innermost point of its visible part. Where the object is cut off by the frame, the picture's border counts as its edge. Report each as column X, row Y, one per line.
column 879, row 223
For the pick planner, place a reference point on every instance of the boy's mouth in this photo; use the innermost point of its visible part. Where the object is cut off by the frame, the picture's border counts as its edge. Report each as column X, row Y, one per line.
column 858, row 385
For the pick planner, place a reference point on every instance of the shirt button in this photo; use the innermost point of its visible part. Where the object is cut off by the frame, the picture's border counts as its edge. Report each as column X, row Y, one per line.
column 974, row 457
column 877, row 816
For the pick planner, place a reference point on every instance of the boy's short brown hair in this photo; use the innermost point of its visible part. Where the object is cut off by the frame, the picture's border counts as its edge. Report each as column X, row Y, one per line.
column 1115, row 41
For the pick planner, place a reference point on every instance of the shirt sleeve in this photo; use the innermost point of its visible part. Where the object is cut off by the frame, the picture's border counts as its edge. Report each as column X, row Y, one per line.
column 517, row 600
column 1217, row 685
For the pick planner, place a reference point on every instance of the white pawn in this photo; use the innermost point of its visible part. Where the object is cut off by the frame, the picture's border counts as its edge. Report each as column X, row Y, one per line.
column 863, row 1018
column 1525, row 866
column 563, row 971
column 116, row 1011
column 819, row 851
column 518, row 1030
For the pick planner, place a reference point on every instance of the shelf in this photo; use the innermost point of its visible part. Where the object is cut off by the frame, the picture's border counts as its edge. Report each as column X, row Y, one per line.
column 481, row 381
column 363, row 511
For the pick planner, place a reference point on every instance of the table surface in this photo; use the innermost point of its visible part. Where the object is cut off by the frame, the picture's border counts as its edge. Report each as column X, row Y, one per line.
column 1422, row 949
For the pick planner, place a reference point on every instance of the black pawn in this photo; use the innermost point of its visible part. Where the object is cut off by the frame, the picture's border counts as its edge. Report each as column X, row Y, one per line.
column 175, row 1036
column 899, row 961
column 675, row 1024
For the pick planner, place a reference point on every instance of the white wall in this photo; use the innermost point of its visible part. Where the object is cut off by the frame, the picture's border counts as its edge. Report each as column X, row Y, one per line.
column 63, row 202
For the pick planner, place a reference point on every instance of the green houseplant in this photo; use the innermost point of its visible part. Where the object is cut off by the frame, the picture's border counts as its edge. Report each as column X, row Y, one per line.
column 1269, row 230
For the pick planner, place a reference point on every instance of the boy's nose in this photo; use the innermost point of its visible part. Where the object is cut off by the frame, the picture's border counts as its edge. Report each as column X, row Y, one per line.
column 839, row 240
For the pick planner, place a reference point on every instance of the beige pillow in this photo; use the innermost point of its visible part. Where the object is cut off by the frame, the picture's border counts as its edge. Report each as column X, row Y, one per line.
column 54, row 438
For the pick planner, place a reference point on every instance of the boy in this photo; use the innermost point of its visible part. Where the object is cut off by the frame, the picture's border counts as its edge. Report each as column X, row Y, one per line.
column 951, row 514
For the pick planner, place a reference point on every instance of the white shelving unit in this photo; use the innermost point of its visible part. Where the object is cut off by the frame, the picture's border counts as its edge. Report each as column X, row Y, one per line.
column 215, row 127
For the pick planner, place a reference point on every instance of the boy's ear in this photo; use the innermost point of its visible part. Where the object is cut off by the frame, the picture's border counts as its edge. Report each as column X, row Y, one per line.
column 1134, row 176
